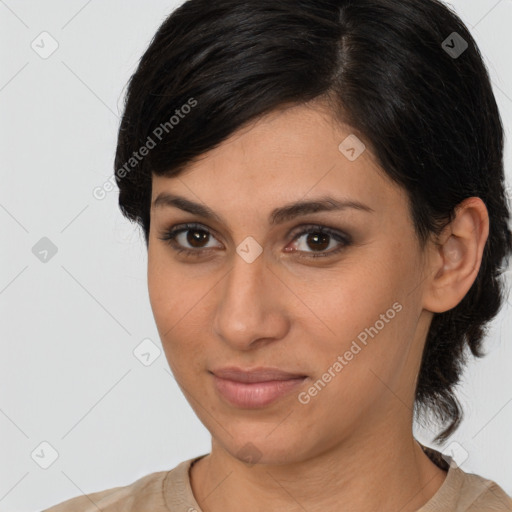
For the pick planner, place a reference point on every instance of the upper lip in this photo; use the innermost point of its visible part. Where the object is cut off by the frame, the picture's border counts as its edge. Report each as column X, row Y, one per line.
column 255, row 374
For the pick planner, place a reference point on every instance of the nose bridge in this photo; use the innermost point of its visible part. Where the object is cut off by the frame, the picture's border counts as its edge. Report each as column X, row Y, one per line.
column 247, row 310
column 245, row 287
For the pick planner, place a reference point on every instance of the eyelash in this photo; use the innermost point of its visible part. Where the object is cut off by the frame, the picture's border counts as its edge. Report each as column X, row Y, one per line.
column 170, row 235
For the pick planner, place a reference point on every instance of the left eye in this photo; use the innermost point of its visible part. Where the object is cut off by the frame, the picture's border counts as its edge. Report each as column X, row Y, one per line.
column 320, row 239
column 317, row 237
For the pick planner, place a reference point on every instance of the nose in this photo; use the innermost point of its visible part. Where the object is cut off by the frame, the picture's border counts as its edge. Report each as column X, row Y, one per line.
column 251, row 309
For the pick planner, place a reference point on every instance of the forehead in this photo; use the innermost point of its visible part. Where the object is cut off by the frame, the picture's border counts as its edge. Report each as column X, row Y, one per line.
column 293, row 153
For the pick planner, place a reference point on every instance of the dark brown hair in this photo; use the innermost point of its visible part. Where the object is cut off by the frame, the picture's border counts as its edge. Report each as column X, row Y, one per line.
column 407, row 76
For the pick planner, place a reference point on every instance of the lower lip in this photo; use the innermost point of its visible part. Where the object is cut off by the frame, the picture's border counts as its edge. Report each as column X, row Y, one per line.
column 255, row 394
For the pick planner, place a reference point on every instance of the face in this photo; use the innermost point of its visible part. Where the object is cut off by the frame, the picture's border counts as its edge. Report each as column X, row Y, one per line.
column 329, row 295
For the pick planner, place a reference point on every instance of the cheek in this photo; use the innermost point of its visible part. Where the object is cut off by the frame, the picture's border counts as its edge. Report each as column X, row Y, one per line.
column 167, row 290
column 176, row 302
column 354, row 376
column 373, row 317
column 351, row 300
column 364, row 318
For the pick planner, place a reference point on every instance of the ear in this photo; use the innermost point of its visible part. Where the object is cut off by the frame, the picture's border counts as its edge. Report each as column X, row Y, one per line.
column 454, row 260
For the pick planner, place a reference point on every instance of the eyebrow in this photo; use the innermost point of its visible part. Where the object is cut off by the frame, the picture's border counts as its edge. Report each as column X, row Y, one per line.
column 277, row 216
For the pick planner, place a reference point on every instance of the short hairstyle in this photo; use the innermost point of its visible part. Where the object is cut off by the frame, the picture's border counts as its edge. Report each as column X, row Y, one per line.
column 388, row 70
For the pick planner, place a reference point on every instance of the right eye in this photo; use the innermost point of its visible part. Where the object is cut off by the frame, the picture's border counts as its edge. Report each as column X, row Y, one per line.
column 177, row 236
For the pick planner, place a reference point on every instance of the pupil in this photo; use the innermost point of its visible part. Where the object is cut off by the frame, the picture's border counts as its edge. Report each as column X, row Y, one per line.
column 192, row 239
column 314, row 237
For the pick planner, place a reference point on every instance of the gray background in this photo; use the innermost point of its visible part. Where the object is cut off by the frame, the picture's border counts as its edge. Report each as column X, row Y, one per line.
column 69, row 325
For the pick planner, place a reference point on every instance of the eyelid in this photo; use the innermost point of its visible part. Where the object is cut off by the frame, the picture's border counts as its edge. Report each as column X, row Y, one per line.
column 322, row 228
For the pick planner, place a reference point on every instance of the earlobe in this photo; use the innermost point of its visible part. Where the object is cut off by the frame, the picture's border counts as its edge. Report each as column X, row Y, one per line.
column 458, row 256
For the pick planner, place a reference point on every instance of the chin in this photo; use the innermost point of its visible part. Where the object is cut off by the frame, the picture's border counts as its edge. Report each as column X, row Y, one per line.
column 267, row 449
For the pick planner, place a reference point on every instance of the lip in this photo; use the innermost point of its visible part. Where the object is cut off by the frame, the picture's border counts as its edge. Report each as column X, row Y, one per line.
column 256, row 388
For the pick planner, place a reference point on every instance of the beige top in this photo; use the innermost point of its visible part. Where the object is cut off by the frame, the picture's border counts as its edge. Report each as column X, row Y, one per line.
column 170, row 491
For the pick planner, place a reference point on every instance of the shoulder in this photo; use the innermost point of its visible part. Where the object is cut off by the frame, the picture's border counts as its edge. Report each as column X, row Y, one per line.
column 464, row 491
column 479, row 494
column 136, row 496
column 160, row 491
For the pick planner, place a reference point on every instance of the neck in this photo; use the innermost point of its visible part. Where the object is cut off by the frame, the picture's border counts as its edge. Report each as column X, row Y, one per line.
column 363, row 473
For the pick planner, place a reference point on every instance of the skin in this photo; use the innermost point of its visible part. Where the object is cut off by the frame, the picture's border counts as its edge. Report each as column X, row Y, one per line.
column 352, row 444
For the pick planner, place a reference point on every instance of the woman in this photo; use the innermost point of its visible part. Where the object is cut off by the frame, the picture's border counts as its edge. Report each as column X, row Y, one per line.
column 320, row 185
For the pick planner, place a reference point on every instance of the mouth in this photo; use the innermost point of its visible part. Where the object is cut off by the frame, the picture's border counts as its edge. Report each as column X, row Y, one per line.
column 257, row 388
